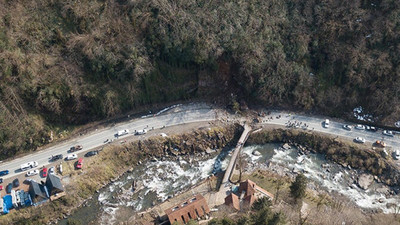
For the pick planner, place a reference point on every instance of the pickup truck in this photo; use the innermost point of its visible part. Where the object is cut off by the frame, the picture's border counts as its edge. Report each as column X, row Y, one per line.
column 75, row 148
column 29, row 165
column 122, row 132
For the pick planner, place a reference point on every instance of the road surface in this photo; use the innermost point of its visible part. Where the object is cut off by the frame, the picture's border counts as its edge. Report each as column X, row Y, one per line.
column 335, row 128
column 185, row 114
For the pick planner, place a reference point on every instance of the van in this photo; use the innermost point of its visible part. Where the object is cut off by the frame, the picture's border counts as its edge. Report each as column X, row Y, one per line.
column 326, row 123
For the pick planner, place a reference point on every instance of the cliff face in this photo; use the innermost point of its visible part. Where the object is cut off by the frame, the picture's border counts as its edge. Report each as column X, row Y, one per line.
column 368, row 160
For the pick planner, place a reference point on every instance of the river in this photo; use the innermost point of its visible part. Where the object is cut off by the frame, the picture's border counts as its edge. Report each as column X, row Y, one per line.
column 159, row 180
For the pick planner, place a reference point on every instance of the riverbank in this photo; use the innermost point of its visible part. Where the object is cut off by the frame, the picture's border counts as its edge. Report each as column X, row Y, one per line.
column 118, row 158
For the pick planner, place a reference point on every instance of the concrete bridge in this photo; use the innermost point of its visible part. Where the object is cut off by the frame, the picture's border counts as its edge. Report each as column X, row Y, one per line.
column 232, row 162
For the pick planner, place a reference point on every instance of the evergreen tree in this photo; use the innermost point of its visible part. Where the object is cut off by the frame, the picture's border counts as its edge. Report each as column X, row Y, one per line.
column 298, row 187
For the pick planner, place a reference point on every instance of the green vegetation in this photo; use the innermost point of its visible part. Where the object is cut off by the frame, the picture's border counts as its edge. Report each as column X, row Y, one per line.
column 298, row 188
column 65, row 63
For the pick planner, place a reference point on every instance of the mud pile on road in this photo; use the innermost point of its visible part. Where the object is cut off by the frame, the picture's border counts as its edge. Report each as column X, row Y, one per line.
column 345, row 154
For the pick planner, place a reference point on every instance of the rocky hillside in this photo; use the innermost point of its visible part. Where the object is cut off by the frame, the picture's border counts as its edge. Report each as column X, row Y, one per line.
column 65, row 63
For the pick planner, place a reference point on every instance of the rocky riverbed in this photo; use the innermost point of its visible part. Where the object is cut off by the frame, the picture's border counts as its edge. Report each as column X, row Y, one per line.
column 365, row 190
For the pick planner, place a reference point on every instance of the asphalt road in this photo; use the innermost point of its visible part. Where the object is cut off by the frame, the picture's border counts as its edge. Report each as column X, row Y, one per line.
column 335, row 128
column 184, row 114
column 180, row 115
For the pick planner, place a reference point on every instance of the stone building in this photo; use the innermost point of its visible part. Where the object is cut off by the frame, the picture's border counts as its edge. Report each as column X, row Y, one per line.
column 192, row 208
column 246, row 195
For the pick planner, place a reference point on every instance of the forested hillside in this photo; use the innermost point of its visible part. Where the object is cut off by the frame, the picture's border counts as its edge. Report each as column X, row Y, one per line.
column 68, row 62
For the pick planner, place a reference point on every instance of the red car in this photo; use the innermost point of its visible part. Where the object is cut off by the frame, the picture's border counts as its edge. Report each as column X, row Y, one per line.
column 1, row 187
column 44, row 172
column 79, row 163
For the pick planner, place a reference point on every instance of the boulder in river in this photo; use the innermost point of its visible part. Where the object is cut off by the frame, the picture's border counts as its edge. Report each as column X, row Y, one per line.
column 365, row 180
column 256, row 153
column 286, row 146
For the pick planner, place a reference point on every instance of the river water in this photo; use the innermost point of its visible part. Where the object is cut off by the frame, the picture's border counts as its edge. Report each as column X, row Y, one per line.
column 159, row 180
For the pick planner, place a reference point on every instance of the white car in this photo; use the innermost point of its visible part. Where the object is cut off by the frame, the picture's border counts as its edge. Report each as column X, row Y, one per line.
column 122, row 132
column 29, row 165
column 360, row 127
column 388, row 133
column 71, row 157
column 326, row 123
column 52, row 170
column 32, row 173
column 139, row 132
column 396, row 155
column 359, row 140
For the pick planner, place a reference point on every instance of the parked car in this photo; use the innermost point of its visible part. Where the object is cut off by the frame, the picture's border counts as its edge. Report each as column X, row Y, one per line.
column 359, row 140
column 360, row 127
column 16, row 182
column 44, row 172
column 79, row 163
column 140, row 132
column 1, row 180
column 4, row 172
column 91, row 153
column 56, row 157
column 122, row 132
column 1, row 187
column 52, row 170
column 326, row 123
column 347, row 127
column 396, row 154
column 9, row 188
column 32, row 173
column 380, row 144
column 388, row 133
column 29, row 165
column 75, row 148
column 28, row 181
column 373, row 129
column 71, row 157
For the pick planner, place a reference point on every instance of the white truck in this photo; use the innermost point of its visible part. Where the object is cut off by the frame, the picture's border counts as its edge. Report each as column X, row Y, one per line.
column 29, row 165
column 122, row 132
column 139, row 132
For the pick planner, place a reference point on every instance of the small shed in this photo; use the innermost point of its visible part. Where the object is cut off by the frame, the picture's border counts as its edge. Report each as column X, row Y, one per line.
column 38, row 193
column 54, row 185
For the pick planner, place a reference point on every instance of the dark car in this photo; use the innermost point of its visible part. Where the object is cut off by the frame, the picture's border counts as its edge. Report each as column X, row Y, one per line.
column 9, row 188
column 347, row 127
column 16, row 182
column 1, row 180
column 4, row 172
column 91, row 153
column 56, row 157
